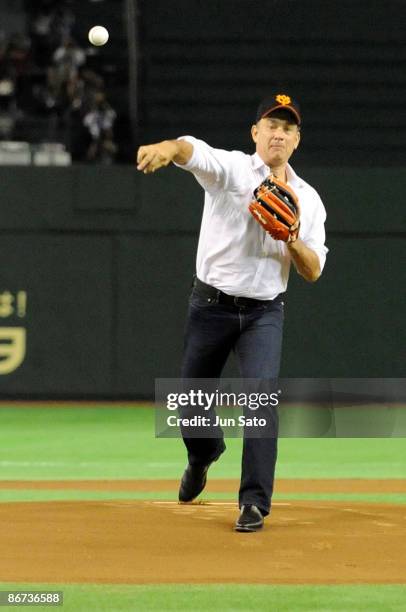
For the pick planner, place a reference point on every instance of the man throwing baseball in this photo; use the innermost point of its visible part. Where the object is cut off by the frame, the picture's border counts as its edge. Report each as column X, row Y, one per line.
column 258, row 218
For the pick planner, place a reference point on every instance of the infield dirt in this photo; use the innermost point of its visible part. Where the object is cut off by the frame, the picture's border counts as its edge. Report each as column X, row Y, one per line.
column 164, row 542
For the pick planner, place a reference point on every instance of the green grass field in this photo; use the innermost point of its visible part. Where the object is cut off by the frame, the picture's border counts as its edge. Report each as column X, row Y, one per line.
column 117, row 442
column 225, row 598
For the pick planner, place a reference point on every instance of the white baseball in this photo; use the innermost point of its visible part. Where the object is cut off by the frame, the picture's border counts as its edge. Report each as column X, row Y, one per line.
column 98, row 35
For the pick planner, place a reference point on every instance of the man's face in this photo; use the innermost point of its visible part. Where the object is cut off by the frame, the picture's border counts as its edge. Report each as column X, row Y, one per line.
column 275, row 140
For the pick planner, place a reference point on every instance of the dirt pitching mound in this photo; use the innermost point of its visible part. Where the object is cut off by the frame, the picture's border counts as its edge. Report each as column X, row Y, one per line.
column 150, row 542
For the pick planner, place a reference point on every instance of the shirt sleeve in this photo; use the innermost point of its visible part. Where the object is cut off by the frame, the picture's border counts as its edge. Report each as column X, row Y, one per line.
column 212, row 168
column 315, row 236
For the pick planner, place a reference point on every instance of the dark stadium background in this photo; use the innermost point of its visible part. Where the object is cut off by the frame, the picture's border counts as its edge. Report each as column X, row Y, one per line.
column 105, row 256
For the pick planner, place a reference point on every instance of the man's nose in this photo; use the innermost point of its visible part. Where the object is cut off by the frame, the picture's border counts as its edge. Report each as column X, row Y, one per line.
column 279, row 133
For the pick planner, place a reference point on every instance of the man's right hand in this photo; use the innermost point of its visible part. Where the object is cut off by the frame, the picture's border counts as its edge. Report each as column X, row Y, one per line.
column 155, row 156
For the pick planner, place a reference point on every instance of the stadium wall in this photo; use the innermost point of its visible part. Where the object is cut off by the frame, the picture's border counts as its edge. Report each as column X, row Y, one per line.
column 97, row 265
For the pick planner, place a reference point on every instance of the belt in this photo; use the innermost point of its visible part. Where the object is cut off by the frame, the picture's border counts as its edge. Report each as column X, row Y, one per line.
column 213, row 294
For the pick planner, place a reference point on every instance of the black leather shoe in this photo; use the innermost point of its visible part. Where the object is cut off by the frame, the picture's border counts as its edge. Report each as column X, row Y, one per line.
column 193, row 482
column 250, row 519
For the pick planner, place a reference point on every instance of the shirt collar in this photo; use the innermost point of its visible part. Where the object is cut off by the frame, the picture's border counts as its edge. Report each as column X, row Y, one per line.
column 293, row 178
column 257, row 162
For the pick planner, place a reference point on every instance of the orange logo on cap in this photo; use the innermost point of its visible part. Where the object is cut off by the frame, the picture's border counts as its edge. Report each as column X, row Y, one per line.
column 282, row 99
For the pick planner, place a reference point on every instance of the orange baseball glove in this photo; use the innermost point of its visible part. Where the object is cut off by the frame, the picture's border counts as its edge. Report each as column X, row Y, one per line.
column 276, row 208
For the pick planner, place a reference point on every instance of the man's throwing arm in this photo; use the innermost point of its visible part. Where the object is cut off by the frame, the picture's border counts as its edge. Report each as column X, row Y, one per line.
column 154, row 156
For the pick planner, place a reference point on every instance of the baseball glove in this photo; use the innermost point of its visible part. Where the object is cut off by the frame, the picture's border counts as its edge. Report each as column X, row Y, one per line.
column 276, row 208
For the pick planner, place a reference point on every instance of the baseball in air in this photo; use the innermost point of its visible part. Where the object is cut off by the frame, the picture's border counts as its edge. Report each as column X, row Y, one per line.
column 98, row 35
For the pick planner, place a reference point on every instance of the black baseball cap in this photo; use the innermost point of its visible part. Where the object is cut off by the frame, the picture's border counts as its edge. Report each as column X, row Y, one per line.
column 279, row 101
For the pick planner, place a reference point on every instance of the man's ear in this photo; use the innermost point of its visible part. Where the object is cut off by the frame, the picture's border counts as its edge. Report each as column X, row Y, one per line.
column 254, row 132
column 298, row 139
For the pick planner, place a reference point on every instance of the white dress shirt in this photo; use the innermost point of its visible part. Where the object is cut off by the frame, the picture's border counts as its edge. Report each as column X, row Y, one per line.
column 235, row 254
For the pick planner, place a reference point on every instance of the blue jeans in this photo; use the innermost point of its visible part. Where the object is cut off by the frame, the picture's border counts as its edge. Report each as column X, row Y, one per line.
column 254, row 333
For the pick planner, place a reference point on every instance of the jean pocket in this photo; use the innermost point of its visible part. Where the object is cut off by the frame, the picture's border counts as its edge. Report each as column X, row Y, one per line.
column 201, row 301
column 276, row 305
